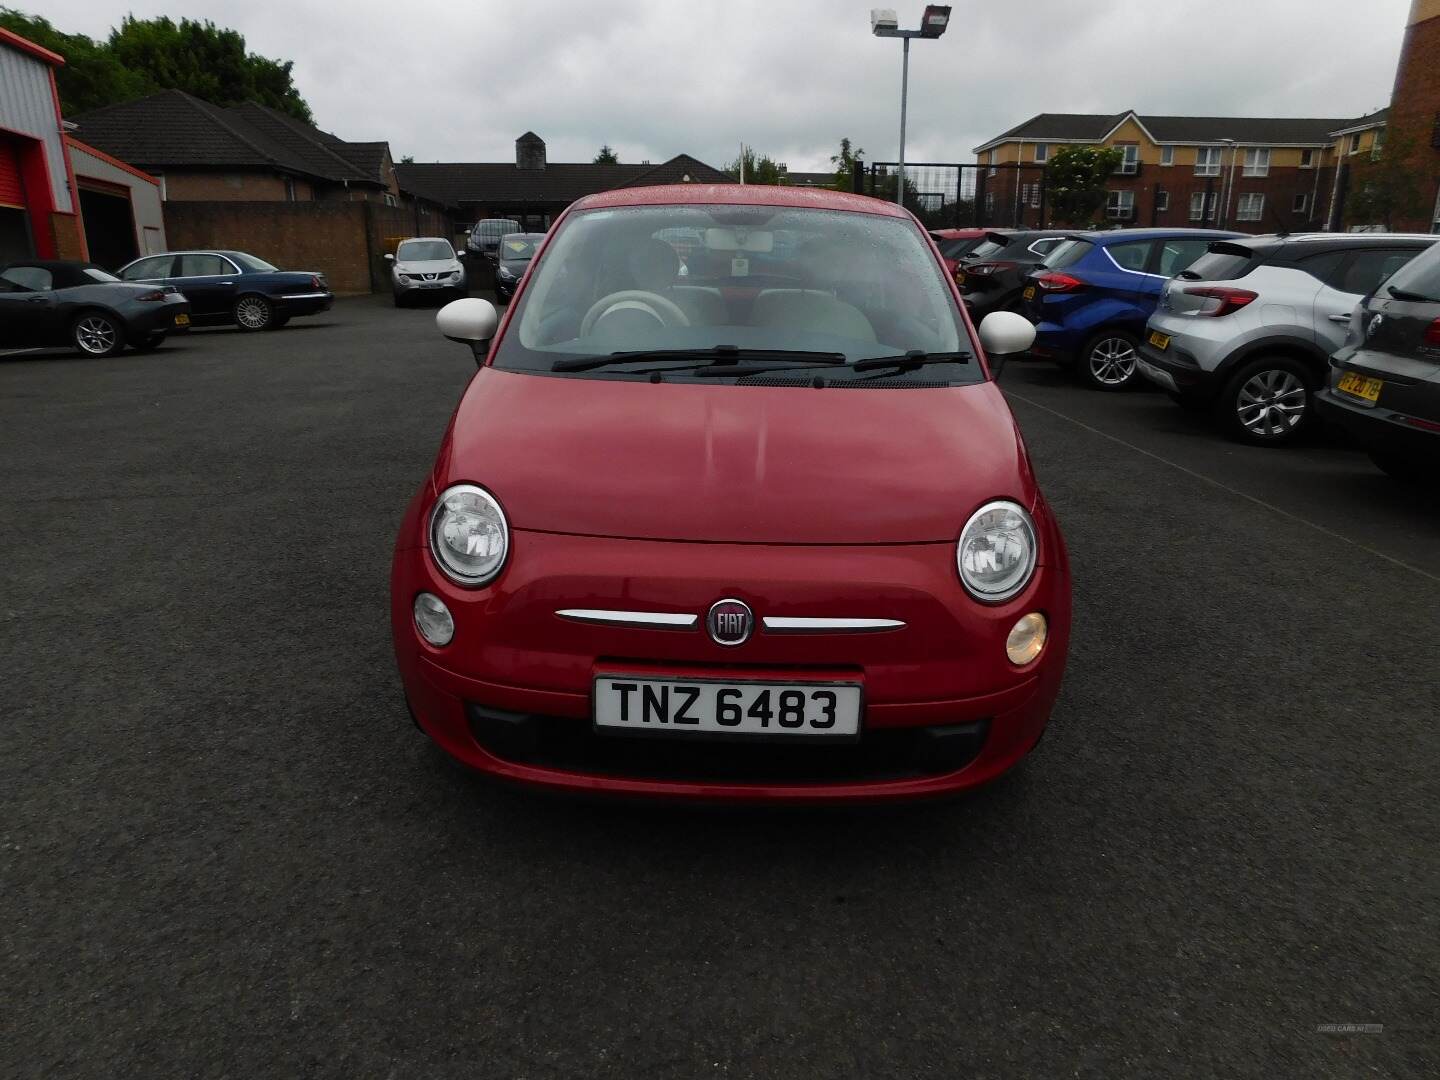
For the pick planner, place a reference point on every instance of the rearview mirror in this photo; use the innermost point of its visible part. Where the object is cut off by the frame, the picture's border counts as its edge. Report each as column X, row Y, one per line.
column 460, row 254
column 470, row 321
column 1005, row 333
column 389, row 257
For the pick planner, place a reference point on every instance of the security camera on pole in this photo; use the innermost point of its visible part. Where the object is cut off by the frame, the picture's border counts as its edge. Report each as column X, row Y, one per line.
column 883, row 23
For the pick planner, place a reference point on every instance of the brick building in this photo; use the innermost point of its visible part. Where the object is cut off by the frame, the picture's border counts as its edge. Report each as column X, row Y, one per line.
column 1252, row 174
column 534, row 190
column 1414, row 114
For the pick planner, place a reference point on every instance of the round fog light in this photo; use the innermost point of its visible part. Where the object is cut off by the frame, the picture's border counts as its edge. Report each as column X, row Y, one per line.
column 432, row 619
column 1027, row 639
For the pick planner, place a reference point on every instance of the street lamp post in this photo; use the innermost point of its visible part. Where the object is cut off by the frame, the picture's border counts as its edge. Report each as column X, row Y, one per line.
column 883, row 23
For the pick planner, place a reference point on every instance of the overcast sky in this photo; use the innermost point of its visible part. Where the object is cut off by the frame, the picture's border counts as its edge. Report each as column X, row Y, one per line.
column 653, row 78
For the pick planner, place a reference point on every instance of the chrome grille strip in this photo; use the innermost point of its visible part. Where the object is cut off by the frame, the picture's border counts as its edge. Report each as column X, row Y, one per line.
column 782, row 624
column 653, row 620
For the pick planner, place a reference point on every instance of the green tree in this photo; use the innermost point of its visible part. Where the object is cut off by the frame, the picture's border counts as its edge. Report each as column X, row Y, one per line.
column 91, row 77
column 844, row 163
column 408, row 159
column 204, row 60
column 1387, row 187
column 758, row 170
column 607, row 156
column 1075, row 182
column 142, row 56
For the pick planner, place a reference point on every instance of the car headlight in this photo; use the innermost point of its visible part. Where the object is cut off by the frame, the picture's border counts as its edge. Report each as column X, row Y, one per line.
column 504, row 273
column 997, row 551
column 469, row 537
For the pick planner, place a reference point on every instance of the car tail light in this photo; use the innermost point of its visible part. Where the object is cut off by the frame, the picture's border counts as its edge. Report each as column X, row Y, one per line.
column 157, row 294
column 1432, row 335
column 985, row 269
column 316, row 282
column 1226, row 299
column 1423, row 425
column 1055, row 281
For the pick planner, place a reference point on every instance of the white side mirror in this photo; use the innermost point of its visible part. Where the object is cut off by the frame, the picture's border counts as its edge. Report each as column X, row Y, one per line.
column 470, row 321
column 1005, row 333
column 389, row 257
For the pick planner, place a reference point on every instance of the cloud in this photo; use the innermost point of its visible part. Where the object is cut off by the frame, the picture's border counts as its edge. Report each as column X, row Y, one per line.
column 653, row 78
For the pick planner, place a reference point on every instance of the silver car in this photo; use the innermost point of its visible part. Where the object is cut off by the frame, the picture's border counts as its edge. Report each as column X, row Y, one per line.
column 425, row 265
column 1249, row 327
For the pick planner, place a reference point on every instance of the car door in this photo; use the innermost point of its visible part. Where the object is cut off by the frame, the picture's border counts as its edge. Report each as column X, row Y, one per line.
column 209, row 281
column 1351, row 278
column 29, row 312
column 1123, row 274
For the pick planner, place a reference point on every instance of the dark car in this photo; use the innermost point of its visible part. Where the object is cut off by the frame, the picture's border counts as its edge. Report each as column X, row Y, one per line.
column 233, row 287
column 1090, row 298
column 514, row 255
column 955, row 244
column 484, row 238
column 992, row 275
column 1384, row 384
column 44, row 303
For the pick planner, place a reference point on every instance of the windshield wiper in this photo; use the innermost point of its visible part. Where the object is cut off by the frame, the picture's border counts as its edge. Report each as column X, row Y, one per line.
column 720, row 355
column 1406, row 294
column 912, row 359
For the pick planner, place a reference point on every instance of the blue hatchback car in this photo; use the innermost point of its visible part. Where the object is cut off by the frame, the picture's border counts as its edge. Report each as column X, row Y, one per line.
column 1090, row 298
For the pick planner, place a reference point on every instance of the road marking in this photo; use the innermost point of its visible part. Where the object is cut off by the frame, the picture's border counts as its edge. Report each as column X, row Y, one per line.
column 1226, row 487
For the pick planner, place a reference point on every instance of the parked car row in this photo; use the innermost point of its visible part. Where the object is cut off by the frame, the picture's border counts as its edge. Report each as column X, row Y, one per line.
column 1269, row 333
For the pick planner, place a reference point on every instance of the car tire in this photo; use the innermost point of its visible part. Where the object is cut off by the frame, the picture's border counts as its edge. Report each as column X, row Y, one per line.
column 149, row 343
column 97, row 334
column 253, row 313
column 1268, row 402
column 1407, row 470
column 1109, row 361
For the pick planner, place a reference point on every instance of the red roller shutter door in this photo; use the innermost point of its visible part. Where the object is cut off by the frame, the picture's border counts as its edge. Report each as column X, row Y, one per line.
column 12, row 192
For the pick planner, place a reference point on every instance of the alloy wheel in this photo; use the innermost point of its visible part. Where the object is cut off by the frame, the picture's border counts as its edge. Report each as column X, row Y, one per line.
column 96, row 335
column 252, row 313
column 1271, row 403
column 1112, row 361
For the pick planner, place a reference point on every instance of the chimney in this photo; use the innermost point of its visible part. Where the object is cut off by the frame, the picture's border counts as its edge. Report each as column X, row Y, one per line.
column 529, row 151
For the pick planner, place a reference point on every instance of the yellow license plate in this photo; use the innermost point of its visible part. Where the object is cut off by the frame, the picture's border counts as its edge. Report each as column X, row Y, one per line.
column 182, row 319
column 1359, row 386
column 959, row 277
column 1159, row 340
column 1029, row 293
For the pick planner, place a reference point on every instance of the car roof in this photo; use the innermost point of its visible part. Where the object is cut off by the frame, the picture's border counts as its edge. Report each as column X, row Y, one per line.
column 959, row 234
column 1119, row 236
column 53, row 264
column 408, row 239
column 1271, row 241
column 740, row 195
column 524, row 235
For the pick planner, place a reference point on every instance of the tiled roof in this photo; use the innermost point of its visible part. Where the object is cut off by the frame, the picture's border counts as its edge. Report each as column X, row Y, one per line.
column 1369, row 120
column 503, row 182
column 172, row 129
column 1092, row 127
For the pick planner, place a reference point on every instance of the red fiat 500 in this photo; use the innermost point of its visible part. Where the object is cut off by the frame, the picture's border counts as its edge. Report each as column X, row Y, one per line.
column 761, row 529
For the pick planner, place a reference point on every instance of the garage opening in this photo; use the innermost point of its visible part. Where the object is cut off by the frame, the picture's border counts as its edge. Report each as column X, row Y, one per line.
column 109, row 227
column 15, row 242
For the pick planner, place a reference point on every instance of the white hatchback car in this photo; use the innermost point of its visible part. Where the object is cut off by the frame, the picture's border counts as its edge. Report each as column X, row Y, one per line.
column 1249, row 327
column 425, row 265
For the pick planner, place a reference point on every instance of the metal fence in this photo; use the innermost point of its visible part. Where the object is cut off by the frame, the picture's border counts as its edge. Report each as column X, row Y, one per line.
column 956, row 196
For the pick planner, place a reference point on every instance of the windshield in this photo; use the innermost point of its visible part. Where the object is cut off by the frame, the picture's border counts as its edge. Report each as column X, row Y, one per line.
column 518, row 248
column 1067, row 253
column 250, row 262
column 756, row 278
column 424, row 251
column 986, row 248
column 1420, row 276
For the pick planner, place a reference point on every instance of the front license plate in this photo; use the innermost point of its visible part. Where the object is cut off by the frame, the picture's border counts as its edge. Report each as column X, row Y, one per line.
column 1159, row 340
column 1366, row 389
column 710, row 707
column 182, row 319
column 1029, row 293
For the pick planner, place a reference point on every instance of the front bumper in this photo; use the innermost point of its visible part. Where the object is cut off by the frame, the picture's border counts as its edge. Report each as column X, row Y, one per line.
column 152, row 317
column 944, row 709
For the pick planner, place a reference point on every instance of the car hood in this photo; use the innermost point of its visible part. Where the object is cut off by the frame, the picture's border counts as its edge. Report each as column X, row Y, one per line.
column 428, row 266
column 702, row 462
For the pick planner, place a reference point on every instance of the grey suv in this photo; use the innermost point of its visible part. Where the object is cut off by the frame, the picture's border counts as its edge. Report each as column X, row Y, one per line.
column 1248, row 328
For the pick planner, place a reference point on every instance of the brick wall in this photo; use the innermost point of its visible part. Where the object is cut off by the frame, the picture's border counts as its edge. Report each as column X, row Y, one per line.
column 1415, row 105
column 329, row 237
column 236, row 186
column 66, row 230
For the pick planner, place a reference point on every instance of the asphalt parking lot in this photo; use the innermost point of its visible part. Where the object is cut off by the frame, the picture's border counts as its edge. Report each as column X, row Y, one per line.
column 226, row 851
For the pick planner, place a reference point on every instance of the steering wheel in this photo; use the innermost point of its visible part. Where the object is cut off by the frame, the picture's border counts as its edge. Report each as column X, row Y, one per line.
column 662, row 309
